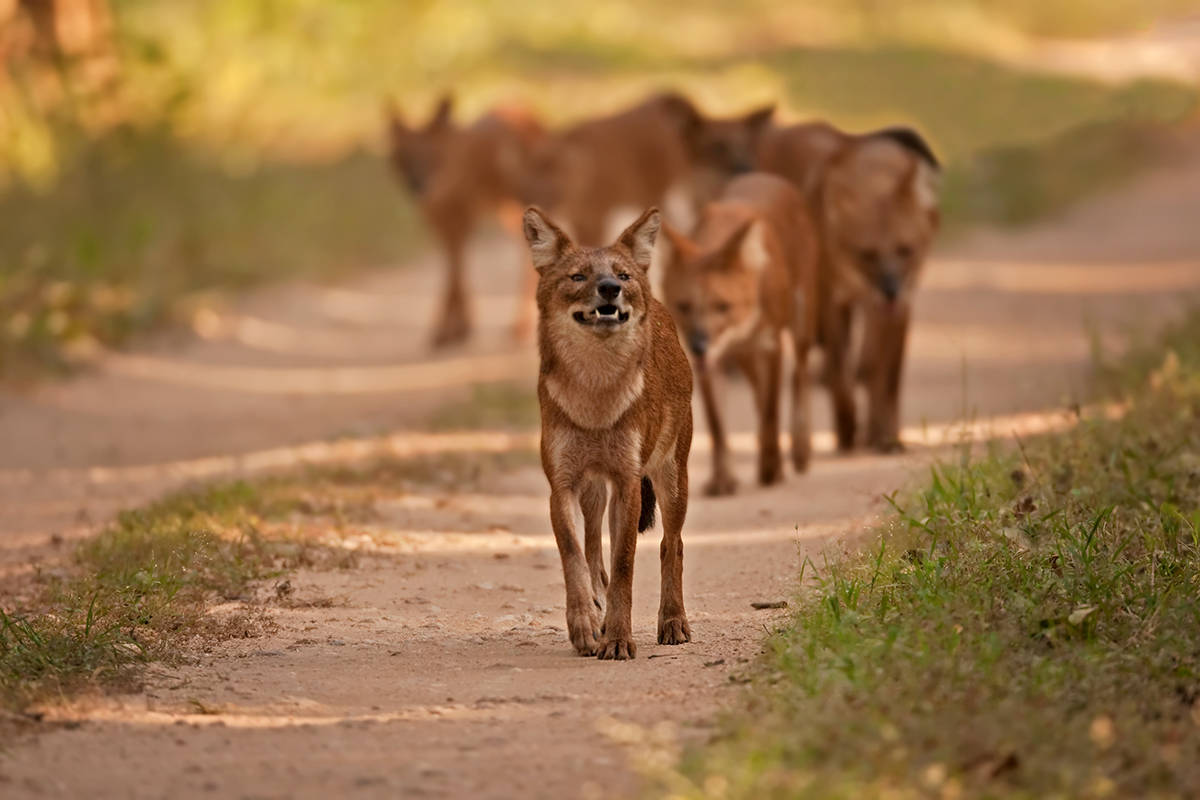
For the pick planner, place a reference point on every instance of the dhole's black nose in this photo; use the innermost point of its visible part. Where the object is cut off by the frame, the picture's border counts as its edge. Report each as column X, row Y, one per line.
column 889, row 284
column 609, row 288
column 698, row 343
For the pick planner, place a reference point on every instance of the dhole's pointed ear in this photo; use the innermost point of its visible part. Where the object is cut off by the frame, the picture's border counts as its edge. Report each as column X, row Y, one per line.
column 442, row 114
column 753, row 252
column 759, row 118
column 677, row 246
column 920, row 184
column 639, row 237
column 729, row 252
column 547, row 242
column 391, row 113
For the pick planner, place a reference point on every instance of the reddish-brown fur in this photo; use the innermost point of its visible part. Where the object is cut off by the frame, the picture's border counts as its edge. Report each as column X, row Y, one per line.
column 634, row 158
column 459, row 176
column 615, row 395
column 742, row 284
column 874, row 197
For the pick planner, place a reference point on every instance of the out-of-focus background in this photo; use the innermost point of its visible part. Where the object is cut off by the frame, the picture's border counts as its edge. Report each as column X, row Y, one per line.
column 157, row 153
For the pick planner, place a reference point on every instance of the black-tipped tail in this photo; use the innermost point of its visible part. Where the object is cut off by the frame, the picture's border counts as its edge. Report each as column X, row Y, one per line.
column 646, row 518
column 910, row 140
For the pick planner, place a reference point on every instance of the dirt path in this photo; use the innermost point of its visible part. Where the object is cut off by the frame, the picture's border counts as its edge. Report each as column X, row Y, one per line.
column 442, row 668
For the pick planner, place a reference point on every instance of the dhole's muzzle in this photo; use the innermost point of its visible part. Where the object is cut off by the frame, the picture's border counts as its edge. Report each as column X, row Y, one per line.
column 610, row 309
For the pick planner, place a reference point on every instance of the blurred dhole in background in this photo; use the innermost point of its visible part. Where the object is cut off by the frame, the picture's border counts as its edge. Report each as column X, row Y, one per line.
column 154, row 153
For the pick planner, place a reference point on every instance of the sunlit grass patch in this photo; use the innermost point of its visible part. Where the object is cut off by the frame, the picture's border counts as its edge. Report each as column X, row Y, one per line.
column 144, row 589
column 1027, row 626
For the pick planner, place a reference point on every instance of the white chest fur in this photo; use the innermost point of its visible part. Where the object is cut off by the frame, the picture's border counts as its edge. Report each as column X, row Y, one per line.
column 595, row 407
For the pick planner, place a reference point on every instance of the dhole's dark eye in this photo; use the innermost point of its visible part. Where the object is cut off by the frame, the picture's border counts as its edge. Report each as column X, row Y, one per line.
column 721, row 307
column 624, row 276
column 684, row 307
column 579, row 276
column 904, row 252
column 869, row 256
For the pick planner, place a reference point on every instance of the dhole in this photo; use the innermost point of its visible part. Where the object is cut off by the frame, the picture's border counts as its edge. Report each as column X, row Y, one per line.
column 742, row 283
column 875, row 200
column 639, row 157
column 458, row 176
column 615, row 396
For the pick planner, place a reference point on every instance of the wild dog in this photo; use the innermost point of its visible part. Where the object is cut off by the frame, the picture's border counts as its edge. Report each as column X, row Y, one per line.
column 875, row 200
column 459, row 176
column 743, row 283
column 659, row 150
column 615, row 395
column 721, row 148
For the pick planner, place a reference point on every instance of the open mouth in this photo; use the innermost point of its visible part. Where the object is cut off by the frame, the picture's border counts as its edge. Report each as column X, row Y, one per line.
column 607, row 314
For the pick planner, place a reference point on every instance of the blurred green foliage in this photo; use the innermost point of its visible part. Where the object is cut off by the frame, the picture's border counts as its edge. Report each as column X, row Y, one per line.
column 241, row 139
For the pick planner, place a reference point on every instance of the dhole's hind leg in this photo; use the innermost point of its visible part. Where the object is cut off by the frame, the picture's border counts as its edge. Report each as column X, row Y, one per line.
column 671, row 486
column 454, row 325
column 883, row 422
column 593, row 500
column 722, row 482
column 836, row 335
column 583, row 617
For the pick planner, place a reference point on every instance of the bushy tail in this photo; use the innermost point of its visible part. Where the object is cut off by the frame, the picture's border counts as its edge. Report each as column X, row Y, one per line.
column 646, row 518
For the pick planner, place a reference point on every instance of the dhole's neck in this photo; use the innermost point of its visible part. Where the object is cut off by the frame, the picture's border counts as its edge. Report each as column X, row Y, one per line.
column 593, row 380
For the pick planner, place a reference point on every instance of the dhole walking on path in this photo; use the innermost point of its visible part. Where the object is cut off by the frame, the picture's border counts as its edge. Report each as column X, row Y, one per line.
column 874, row 196
column 740, row 286
column 615, row 395
column 459, row 176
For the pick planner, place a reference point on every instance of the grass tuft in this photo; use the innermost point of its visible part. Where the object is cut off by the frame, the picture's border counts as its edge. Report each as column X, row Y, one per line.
column 1028, row 625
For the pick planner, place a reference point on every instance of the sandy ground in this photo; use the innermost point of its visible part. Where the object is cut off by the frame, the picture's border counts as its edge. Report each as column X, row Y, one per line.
column 442, row 669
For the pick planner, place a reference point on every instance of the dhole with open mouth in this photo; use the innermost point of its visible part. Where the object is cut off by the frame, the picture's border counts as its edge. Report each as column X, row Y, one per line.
column 615, row 395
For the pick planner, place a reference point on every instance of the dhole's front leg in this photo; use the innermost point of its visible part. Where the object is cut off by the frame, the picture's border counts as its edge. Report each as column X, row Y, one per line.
column 765, row 373
column 616, row 641
column 890, row 326
column 583, row 615
column 593, row 500
column 722, row 482
column 671, row 486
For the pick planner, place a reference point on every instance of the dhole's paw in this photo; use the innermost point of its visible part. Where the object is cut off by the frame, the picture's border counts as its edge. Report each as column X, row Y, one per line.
column 674, row 630
column 770, row 471
column 800, row 459
column 616, row 648
column 584, row 631
column 721, row 486
column 450, row 331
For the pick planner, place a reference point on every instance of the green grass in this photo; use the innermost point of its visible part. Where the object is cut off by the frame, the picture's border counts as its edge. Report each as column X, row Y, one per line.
column 138, row 592
column 1028, row 625
column 142, row 590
